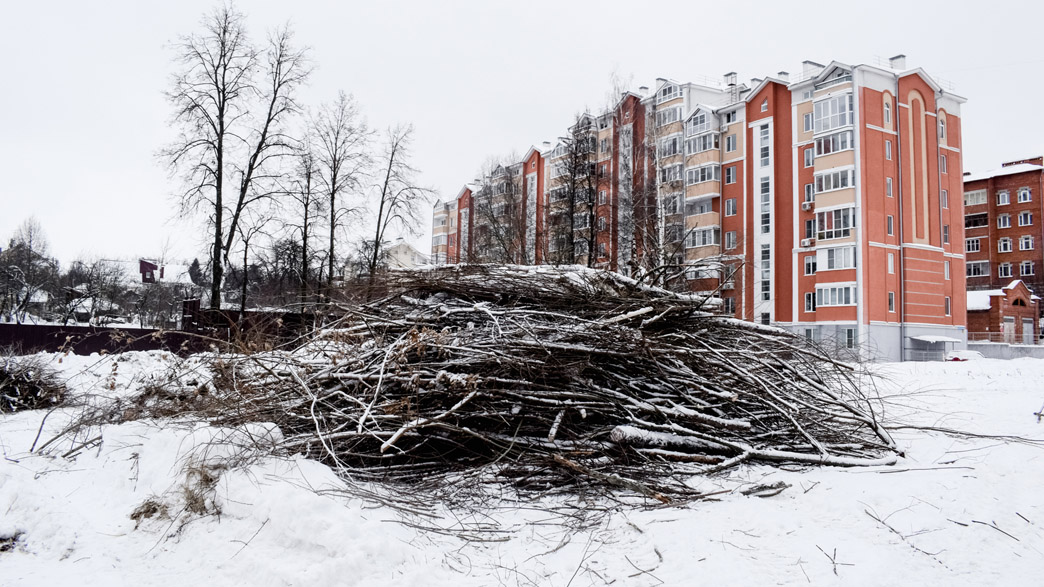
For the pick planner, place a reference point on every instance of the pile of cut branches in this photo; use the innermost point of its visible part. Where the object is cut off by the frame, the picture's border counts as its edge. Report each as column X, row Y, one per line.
column 26, row 383
column 548, row 378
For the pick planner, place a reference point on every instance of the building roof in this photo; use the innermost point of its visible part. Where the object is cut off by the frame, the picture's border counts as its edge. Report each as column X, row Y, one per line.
column 1009, row 170
column 982, row 299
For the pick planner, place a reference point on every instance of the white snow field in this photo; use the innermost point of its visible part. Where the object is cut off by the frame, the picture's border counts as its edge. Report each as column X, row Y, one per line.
column 954, row 511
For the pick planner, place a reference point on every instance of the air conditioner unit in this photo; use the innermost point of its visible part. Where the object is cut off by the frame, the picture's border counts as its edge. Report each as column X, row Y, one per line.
column 807, row 205
column 808, row 242
column 728, row 285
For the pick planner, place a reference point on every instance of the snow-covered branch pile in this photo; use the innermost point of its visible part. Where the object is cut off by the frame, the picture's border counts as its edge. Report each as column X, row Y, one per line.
column 548, row 378
column 26, row 383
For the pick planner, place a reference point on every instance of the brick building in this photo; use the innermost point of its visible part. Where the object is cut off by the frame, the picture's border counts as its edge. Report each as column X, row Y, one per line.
column 1009, row 314
column 819, row 204
column 1003, row 237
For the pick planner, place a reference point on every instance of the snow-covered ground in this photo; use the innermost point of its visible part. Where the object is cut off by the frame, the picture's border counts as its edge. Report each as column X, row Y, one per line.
column 954, row 511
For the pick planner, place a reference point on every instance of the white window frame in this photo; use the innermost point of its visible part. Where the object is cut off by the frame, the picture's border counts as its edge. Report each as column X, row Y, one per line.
column 730, row 175
column 730, row 206
column 1026, row 242
column 836, row 294
column 1025, row 195
column 730, row 143
column 888, row 150
column 972, row 245
column 832, row 113
column 1004, row 221
column 1004, row 245
column 807, row 119
column 1026, row 268
column 1025, row 218
column 977, row 269
column 1004, row 270
column 1003, row 198
column 809, row 157
column 975, row 197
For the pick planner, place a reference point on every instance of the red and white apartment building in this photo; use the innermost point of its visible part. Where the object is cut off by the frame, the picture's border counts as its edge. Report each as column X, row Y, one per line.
column 819, row 203
column 1004, row 244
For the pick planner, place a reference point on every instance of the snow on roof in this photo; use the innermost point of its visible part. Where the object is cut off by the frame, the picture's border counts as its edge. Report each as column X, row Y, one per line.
column 1009, row 170
column 980, row 299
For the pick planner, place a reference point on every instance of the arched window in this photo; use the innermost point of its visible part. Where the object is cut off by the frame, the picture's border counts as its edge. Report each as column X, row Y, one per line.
column 888, row 111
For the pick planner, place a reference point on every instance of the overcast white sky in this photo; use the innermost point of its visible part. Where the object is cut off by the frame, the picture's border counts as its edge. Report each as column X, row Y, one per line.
column 82, row 111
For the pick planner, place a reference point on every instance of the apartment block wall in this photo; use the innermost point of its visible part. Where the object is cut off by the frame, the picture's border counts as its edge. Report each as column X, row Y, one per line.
column 982, row 243
column 766, row 205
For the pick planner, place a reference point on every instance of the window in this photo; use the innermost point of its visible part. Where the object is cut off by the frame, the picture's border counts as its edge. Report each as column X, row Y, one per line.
column 766, row 273
column 728, row 305
column 730, row 143
column 810, row 302
column 671, row 173
column 810, row 265
column 730, row 174
column 1026, row 243
column 1025, row 218
column 730, row 117
column 835, row 295
column 703, row 237
column 1025, row 195
column 1004, row 270
column 977, row 268
column 891, row 301
column 601, row 197
column 668, row 116
column 1004, row 245
column 1003, row 198
column 809, row 157
column 974, row 197
column 888, row 113
column 670, row 204
column 1004, row 221
column 694, row 207
column 888, row 187
column 808, row 122
column 603, row 250
column 942, row 127
column 730, row 239
column 976, row 220
column 764, row 105
column 601, row 223
column 766, row 318
column 891, row 262
column 841, row 141
column 944, row 199
column 946, row 305
column 834, row 223
column 835, row 180
column 810, row 229
column 698, row 124
column 809, row 193
column 837, row 258
column 670, row 146
column 834, row 112
column 888, row 150
column 946, row 270
column 890, row 223
column 730, row 207
column 766, row 205
column 942, row 163
column 702, row 174
column 765, row 152
column 1026, row 268
column 704, row 142
column 668, row 92
column 946, row 234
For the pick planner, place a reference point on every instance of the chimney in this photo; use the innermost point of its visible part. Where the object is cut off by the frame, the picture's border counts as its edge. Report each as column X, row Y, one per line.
column 730, row 78
column 643, row 90
column 810, row 68
column 897, row 62
column 784, row 76
column 161, row 272
column 754, row 81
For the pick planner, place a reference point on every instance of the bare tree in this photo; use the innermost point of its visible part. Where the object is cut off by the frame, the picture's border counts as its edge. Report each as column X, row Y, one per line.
column 340, row 138
column 27, row 273
column 500, row 221
column 231, row 124
column 571, row 222
column 399, row 198
column 307, row 203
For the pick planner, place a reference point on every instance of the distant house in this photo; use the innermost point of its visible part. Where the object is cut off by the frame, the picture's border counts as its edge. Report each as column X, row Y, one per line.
column 402, row 255
column 1009, row 314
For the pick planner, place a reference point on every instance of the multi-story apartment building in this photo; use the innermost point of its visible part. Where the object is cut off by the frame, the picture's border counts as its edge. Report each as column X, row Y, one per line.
column 444, row 232
column 819, row 204
column 1003, row 220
